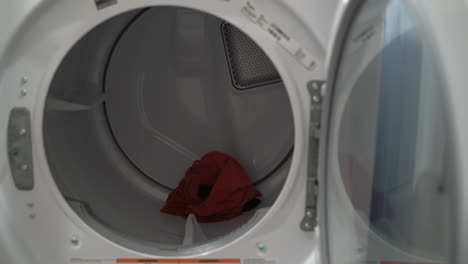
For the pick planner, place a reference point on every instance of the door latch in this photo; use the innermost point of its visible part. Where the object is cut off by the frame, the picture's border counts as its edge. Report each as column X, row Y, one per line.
column 20, row 148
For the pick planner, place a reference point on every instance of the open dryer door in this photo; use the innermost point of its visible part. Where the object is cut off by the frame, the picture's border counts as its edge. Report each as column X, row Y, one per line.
column 386, row 151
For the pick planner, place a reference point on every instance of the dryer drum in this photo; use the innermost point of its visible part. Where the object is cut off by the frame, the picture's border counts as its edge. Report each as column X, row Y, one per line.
column 143, row 95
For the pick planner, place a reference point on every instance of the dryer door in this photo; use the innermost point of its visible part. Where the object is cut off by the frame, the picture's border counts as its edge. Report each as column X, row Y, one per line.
column 388, row 155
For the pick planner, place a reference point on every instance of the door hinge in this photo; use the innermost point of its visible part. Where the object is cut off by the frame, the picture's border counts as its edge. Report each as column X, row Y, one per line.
column 316, row 90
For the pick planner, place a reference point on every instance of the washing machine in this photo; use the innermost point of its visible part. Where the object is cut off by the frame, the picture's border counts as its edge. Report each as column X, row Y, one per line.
column 348, row 115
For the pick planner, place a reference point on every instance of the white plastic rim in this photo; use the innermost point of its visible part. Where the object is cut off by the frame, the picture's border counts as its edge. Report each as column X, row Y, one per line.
column 47, row 36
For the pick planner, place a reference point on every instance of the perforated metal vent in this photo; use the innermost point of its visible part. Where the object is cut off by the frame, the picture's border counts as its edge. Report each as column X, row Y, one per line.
column 248, row 64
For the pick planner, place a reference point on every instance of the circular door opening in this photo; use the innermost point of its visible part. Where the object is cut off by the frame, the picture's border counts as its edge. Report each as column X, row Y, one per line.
column 141, row 97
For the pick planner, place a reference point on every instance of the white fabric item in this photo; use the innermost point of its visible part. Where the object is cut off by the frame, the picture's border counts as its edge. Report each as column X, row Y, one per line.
column 193, row 231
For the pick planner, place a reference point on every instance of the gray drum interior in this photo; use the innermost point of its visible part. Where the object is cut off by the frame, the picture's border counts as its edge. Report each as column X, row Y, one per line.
column 143, row 95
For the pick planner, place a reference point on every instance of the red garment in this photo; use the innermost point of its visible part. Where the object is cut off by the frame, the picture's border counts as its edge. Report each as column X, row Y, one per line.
column 232, row 189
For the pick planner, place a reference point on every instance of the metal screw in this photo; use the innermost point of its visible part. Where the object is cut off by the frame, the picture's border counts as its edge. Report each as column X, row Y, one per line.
column 262, row 247
column 24, row 167
column 315, row 98
column 313, row 85
column 22, row 131
column 24, row 80
column 306, row 225
column 75, row 241
column 309, row 214
column 24, row 92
